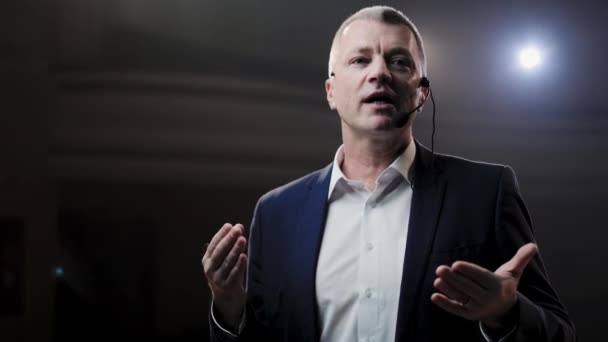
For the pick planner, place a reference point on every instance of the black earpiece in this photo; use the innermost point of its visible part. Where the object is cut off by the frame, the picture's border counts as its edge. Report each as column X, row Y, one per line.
column 424, row 82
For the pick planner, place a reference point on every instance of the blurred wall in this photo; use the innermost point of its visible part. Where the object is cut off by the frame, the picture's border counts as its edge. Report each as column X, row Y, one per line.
column 27, row 191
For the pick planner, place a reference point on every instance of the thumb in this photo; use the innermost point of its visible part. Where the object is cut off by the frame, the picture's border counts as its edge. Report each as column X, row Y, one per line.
column 520, row 260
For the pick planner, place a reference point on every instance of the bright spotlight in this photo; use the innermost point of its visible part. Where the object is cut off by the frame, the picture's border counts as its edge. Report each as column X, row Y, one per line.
column 529, row 58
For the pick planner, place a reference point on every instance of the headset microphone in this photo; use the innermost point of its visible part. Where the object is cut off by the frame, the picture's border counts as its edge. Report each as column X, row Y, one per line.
column 400, row 119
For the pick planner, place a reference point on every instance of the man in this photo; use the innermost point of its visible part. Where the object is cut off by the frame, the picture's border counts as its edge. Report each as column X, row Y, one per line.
column 390, row 242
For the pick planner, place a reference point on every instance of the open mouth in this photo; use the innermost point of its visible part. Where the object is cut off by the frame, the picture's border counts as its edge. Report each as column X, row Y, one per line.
column 380, row 99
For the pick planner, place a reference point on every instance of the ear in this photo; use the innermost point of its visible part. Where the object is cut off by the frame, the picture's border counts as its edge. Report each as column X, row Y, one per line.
column 424, row 93
column 329, row 91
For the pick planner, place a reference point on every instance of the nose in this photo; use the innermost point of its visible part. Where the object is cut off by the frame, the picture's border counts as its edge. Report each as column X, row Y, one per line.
column 379, row 71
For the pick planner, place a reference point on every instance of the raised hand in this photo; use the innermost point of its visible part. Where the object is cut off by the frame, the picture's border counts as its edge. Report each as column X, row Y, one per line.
column 224, row 264
column 475, row 293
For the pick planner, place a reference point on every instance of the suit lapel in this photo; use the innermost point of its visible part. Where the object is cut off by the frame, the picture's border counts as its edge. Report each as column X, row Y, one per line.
column 429, row 188
column 305, row 246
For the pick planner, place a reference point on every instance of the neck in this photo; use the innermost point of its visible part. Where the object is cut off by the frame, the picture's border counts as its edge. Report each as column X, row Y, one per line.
column 366, row 157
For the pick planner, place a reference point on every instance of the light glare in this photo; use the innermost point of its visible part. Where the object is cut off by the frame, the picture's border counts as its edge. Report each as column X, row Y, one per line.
column 529, row 58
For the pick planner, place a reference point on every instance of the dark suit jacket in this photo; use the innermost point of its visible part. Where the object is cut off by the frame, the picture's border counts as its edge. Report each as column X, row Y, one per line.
column 461, row 210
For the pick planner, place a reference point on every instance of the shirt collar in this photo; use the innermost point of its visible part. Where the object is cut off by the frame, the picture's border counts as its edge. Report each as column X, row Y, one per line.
column 401, row 164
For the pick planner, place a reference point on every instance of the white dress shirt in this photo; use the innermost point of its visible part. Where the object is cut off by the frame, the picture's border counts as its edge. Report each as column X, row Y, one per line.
column 358, row 278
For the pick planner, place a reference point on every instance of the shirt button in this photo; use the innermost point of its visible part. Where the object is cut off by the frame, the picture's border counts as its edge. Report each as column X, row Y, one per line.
column 369, row 246
column 368, row 293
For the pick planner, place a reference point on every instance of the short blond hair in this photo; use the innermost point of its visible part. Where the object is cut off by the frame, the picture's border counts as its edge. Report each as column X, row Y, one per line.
column 383, row 14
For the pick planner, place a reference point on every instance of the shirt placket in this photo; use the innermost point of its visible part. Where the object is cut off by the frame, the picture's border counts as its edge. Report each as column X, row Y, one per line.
column 369, row 305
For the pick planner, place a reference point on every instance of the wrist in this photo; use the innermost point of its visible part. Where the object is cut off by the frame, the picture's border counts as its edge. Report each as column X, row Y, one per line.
column 505, row 321
column 230, row 311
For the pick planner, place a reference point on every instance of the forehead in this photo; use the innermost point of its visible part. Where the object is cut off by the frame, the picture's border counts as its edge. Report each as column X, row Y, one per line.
column 367, row 33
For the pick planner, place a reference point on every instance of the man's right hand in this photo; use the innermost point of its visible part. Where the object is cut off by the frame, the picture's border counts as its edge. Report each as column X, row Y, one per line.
column 224, row 265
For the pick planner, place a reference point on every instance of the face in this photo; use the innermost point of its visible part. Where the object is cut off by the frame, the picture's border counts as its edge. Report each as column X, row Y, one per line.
column 377, row 71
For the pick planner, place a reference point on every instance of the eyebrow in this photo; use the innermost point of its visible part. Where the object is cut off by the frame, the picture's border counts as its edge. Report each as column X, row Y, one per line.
column 393, row 51
column 401, row 51
column 360, row 50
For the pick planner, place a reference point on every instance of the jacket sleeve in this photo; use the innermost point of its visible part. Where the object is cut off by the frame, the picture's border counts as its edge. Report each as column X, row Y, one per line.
column 254, row 326
column 542, row 318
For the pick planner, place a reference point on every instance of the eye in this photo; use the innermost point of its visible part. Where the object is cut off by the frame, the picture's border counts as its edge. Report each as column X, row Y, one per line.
column 359, row 60
column 402, row 63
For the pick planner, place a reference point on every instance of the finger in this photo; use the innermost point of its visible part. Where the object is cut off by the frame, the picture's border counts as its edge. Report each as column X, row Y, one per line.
column 461, row 283
column 245, row 235
column 242, row 228
column 449, row 291
column 449, row 305
column 520, row 260
column 481, row 276
column 238, row 271
column 231, row 259
column 222, row 249
column 216, row 239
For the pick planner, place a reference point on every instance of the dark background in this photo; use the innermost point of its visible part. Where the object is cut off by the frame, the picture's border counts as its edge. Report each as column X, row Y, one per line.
column 130, row 131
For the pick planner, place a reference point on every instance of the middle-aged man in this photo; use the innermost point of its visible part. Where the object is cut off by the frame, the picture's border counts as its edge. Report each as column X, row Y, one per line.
column 390, row 242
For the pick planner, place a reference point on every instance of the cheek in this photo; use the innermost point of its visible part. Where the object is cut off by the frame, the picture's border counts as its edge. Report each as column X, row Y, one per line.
column 343, row 97
column 346, row 86
column 410, row 95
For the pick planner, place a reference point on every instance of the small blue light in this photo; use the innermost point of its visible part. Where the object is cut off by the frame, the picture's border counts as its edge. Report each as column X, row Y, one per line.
column 58, row 271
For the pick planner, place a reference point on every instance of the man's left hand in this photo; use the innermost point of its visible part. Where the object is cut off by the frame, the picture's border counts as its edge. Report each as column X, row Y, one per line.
column 475, row 293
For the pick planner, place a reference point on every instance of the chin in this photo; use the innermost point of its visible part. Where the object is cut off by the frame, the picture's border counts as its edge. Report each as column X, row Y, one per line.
column 382, row 123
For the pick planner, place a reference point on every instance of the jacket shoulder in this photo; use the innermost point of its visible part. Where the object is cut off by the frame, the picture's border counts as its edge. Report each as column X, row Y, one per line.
column 473, row 170
column 295, row 188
